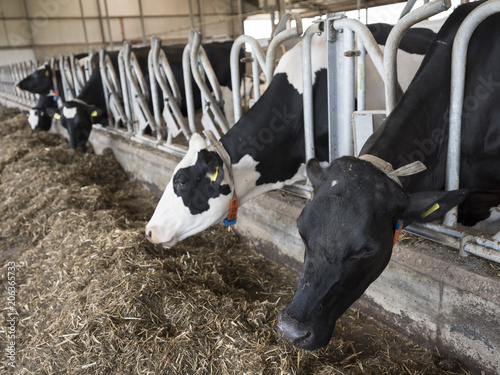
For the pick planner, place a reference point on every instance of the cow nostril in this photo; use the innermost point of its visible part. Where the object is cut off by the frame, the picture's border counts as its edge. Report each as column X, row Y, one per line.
column 149, row 234
column 292, row 331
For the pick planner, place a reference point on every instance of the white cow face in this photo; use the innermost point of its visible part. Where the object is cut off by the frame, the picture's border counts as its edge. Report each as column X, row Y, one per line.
column 196, row 197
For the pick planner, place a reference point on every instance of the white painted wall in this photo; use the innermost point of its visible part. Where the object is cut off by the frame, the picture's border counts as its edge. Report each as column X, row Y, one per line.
column 55, row 27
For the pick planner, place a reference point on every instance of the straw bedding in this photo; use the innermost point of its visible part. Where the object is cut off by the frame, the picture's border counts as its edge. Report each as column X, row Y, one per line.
column 94, row 297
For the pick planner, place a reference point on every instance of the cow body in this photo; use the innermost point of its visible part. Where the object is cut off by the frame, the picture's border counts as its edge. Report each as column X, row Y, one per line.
column 350, row 225
column 266, row 148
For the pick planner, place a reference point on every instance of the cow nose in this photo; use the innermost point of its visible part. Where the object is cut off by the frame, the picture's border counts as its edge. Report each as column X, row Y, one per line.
column 150, row 235
column 292, row 331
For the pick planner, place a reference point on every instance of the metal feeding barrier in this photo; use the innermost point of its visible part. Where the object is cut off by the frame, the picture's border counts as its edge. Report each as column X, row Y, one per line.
column 148, row 111
column 450, row 233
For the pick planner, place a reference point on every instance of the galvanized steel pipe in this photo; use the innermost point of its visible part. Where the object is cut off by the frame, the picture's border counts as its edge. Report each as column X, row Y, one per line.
column 259, row 58
column 307, row 96
column 458, row 62
column 392, row 45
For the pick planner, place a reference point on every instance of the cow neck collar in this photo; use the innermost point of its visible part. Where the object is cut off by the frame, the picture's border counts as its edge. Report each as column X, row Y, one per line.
column 405, row 170
column 386, row 167
column 226, row 160
column 55, row 89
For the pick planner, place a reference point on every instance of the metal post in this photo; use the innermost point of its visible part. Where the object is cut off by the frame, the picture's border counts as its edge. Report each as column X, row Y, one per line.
column 340, row 39
column 392, row 44
column 109, row 25
column 459, row 58
column 307, row 97
column 195, row 39
column 142, row 23
column 258, row 56
column 100, row 22
column 188, row 86
column 83, row 24
column 281, row 35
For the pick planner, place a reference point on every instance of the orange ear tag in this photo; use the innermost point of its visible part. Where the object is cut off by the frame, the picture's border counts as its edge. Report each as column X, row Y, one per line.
column 233, row 212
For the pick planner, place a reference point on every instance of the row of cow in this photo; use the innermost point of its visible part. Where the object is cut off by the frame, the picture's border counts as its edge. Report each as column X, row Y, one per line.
column 359, row 206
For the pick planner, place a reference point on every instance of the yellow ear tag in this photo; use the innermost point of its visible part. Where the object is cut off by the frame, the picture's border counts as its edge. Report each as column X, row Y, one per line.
column 27, row 115
column 433, row 208
column 46, row 73
column 214, row 176
column 93, row 114
column 57, row 116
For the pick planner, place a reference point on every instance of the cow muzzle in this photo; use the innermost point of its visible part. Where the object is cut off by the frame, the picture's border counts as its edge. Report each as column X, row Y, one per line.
column 151, row 237
column 302, row 335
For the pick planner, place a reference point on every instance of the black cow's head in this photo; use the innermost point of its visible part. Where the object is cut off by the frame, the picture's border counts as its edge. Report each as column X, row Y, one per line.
column 348, row 231
column 38, row 82
column 78, row 118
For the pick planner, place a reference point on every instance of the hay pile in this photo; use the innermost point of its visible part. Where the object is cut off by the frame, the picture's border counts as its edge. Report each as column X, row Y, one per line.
column 94, row 297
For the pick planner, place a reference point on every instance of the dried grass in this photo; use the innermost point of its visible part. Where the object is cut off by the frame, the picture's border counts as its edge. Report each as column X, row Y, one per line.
column 95, row 298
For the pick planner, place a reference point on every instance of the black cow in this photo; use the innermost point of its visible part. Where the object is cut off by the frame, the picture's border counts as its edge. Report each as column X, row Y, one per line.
column 349, row 227
column 77, row 114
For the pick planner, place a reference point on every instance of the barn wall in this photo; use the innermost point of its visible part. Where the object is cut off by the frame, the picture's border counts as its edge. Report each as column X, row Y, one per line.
column 41, row 28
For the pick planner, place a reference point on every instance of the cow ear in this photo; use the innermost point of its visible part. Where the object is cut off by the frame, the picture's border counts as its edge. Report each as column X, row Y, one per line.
column 315, row 173
column 197, row 143
column 25, row 112
column 427, row 206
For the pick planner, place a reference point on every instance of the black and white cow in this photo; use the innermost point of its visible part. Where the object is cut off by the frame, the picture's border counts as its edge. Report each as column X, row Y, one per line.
column 49, row 88
column 266, row 148
column 77, row 115
column 349, row 227
column 40, row 117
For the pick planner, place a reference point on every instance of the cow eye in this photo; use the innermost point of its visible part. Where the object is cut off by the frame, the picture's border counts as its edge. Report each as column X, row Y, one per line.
column 367, row 250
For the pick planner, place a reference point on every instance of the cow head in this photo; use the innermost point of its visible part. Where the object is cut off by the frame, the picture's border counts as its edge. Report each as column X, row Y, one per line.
column 38, row 82
column 196, row 197
column 40, row 117
column 78, row 118
column 348, row 231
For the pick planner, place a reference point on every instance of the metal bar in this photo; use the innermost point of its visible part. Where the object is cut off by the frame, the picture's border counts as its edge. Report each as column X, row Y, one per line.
column 365, row 36
column 409, row 5
column 83, row 24
column 142, row 23
column 160, row 132
column 106, row 86
column 392, row 44
column 100, row 21
column 272, row 50
column 126, row 94
column 459, row 58
column 257, row 54
column 109, row 24
column 191, row 19
column 361, row 81
column 195, row 38
column 188, row 86
column 163, row 72
column 482, row 246
column 307, row 96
